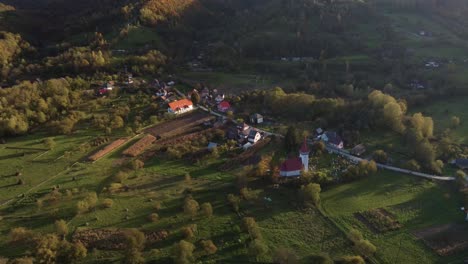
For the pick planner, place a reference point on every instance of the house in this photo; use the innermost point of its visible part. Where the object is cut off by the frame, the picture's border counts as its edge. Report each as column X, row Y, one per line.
column 461, row 163
column 224, row 106
column 180, row 107
column 254, row 136
column 219, row 98
column 205, row 93
column 256, row 119
column 333, row 139
column 109, row 86
column 162, row 92
column 291, row 168
column 358, row 150
column 129, row 79
column 319, row 131
column 243, row 127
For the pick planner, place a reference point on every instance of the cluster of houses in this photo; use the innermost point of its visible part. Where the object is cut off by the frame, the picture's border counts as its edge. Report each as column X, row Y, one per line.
column 330, row 138
column 213, row 98
column 244, row 135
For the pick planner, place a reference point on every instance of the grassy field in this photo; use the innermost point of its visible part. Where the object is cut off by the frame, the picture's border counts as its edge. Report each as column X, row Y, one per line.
column 282, row 222
column 416, row 203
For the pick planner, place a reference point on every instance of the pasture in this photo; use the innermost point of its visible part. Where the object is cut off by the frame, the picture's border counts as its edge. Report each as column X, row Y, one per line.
column 416, row 204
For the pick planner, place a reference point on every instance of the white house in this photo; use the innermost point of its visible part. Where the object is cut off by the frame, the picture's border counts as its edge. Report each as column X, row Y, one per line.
column 254, row 136
column 256, row 119
column 332, row 138
column 180, row 107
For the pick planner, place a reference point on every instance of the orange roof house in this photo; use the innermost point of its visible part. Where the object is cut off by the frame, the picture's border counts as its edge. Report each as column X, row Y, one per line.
column 181, row 106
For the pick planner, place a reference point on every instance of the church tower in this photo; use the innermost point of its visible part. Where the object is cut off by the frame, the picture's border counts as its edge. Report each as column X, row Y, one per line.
column 304, row 155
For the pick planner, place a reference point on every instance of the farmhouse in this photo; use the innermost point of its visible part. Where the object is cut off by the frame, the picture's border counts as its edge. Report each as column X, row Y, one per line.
column 256, row 119
column 224, row 106
column 333, row 139
column 180, row 107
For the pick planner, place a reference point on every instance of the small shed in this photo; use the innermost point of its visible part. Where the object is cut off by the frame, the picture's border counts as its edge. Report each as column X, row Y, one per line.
column 359, row 150
column 212, row 145
column 256, row 119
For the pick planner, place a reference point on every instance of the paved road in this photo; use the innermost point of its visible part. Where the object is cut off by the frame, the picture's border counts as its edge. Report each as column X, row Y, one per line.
column 352, row 158
column 355, row 159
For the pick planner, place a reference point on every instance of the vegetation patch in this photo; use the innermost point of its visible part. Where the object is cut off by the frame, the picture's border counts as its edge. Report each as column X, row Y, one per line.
column 379, row 220
column 113, row 239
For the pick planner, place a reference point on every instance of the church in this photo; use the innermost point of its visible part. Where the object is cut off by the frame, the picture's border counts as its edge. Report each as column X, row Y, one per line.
column 293, row 167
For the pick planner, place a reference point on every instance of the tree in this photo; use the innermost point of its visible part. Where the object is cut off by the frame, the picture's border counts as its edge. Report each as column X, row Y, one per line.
column 47, row 248
column 92, row 199
column 49, row 143
column 135, row 239
column 249, row 225
column 311, row 194
column 191, row 207
column 292, row 139
column 365, row 247
column 285, row 256
column 393, row 115
column 183, row 252
column 71, row 252
column 234, row 201
column 24, row 260
column 107, row 203
column 321, row 259
column 209, row 247
column 257, row 248
column 455, row 122
column 61, row 228
column 20, row 234
column 351, row 260
column 207, row 209
column 195, row 97
column 133, row 256
column 154, row 217
column 380, row 156
column 355, row 235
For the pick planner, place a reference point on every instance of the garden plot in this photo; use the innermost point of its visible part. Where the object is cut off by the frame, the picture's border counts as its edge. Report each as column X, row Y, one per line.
column 109, row 148
column 378, row 220
column 140, row 146
column 179, row 125
column 445, row 240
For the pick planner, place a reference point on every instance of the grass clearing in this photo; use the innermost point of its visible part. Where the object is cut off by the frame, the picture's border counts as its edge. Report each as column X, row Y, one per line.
column 415, row 204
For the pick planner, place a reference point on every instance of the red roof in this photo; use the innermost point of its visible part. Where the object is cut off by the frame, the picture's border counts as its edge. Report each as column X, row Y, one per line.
column 305, row 148
column 224, row 105
column 293, row 164
column 184, row 103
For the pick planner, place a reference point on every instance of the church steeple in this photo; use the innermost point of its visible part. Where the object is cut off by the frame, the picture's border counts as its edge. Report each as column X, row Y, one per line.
column 304, row 155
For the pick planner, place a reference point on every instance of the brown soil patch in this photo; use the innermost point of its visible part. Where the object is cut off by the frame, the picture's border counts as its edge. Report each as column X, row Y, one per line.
column 179, row 125
column 109, row 148
column 137, row 148
column 113, row 239
column 445, row 240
